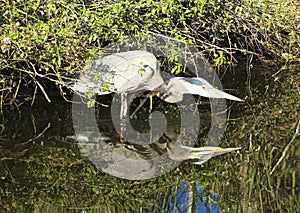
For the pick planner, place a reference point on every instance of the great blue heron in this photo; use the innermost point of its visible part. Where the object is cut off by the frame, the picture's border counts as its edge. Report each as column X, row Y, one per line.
column 139, row 70
column 120, row 73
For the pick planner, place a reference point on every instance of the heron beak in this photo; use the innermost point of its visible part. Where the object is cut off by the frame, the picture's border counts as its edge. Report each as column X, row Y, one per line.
column 215, row 93
column 222, row 151
column 231, row 97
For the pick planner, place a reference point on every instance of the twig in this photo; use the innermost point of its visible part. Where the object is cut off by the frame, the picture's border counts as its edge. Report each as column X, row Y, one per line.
column 34, row 94
column 38, row 83
column 282, row 68
column 5, row 88
column 39, row 135
column 18, row 87
column 42, row 89
column 287, row 147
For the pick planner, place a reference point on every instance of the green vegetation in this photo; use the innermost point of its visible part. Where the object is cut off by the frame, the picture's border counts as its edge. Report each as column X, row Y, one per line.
column 46, row 38
column 40, row 40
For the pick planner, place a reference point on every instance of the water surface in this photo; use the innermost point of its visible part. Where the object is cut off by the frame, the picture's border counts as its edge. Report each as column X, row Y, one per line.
column 43, row 168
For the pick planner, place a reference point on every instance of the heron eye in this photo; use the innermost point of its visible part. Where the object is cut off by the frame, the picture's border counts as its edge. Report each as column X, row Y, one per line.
column 203, row 87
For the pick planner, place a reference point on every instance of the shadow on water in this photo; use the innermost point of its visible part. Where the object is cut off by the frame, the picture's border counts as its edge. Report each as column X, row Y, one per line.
column 43, row 169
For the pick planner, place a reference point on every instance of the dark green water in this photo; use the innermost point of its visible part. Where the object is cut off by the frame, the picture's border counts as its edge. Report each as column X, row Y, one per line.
column 43, row 169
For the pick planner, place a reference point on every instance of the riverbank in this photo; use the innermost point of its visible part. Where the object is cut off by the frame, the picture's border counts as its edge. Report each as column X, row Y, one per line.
column 46, row 39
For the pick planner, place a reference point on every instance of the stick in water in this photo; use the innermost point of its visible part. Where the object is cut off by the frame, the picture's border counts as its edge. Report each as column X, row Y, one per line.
column 150, row 95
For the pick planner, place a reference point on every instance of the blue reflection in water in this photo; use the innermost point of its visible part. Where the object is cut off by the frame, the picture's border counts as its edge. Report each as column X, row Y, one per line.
column 183, row 200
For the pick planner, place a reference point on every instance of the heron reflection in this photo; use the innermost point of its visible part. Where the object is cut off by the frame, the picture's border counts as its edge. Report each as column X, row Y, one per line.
column 136, row 161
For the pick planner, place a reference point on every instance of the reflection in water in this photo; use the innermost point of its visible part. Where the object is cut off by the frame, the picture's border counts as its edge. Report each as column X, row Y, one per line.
column 38, row 173
column 142, row 156
column 120, row 160
column 127, row 160
column 135, row 161
column 186, row 198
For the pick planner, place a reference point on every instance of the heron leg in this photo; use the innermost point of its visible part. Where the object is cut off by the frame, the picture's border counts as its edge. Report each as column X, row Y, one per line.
column 123, row 113
column 124, row 106
column 150, row 98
